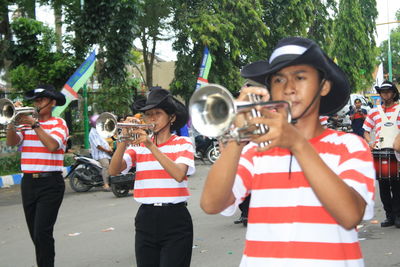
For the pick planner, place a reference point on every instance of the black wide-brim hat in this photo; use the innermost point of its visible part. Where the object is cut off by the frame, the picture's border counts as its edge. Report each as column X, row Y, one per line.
column 301, row 51
column 387, row 85
column 46, row 91
column 161, row 98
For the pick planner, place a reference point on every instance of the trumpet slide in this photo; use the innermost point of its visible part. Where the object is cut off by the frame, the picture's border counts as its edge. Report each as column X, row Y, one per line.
column 108, row 126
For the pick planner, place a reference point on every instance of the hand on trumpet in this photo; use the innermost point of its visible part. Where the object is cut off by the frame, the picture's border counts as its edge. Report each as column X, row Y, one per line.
column 141, row 135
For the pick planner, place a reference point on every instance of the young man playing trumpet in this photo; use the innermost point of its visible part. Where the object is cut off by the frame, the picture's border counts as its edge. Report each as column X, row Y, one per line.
column 309, row 186
column 42, row 188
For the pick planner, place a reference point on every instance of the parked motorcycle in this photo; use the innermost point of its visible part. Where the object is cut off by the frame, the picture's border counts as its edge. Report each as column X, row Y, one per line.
column 85, row 174
column 207, row 148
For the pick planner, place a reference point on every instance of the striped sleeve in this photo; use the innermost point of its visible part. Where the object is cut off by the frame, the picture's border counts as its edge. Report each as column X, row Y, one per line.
column 357, row 170
column 369, row 122
column 242, row 184
column 60, row 132
column 187, row 154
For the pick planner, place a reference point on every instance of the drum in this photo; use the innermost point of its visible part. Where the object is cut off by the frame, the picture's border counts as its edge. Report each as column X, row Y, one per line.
column 386, row 164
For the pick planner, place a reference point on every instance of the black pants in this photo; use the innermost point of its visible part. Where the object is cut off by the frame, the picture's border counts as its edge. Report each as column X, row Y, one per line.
column 164, row 236
column 41, row 199
column 389, row 191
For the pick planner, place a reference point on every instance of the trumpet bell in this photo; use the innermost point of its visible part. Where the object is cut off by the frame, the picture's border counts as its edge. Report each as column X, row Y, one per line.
column 7, row 111
column 106, row 125
column 10, row 114
column 212, row 110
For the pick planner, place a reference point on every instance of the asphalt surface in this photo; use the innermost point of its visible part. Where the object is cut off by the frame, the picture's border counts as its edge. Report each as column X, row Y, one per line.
column 97, row 229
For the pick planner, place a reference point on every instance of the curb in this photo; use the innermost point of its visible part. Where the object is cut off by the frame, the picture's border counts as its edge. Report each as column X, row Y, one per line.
column 13, row 179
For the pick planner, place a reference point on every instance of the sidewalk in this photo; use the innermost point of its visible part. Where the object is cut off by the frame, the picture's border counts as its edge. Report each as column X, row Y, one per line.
column 9, row 180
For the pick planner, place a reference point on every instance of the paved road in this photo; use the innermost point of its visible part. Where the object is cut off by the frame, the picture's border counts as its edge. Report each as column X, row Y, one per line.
column 217, row 242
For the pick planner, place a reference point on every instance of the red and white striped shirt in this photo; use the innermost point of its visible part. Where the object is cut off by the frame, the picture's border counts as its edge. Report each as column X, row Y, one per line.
column 152, row 183
column 374, row 119
column 35, row 157
column 287, row 224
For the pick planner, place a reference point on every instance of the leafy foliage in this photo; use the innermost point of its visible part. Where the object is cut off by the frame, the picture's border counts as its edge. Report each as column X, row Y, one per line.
column 395, row 51
column 233, row 31
column 115, row 99
column 354, row 43
column 33, row 59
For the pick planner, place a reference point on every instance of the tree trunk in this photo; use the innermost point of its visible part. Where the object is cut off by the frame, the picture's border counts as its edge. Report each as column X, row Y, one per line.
column 29, row 8
column 5, row 31
column 58, row 24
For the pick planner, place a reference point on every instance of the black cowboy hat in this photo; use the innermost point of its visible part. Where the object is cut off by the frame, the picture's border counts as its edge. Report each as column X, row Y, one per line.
column 387, row 85
column 48, row 91
column 161, row 98
column 301, row 51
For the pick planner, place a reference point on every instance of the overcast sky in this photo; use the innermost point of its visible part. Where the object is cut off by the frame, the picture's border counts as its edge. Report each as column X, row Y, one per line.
column 164, row 49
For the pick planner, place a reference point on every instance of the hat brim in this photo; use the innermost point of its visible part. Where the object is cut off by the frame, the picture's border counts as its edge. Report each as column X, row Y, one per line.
column 181, row 116
column 151, row 106
column 339, row 94
column 57, row 96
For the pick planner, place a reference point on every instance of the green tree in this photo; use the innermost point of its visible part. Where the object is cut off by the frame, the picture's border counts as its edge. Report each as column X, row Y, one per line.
column 233, row 31
column 111, row 25
column 153, row 25
column 354, row 42
column 33, row 59
column 308, row 18
column 395, row 51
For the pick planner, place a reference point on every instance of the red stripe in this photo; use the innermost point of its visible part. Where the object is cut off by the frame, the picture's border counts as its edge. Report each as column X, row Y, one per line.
column 47, row 162
column 71, row 91
column 303, row 250
column 161, row 192
column 301, row 214
column 202, row 80
column 280, row 181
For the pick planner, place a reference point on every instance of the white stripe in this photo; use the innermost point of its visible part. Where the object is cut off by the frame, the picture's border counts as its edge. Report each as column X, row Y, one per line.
column 151, row 200
column 40, row 168
column 287, row 50
column 386, row 85
column 300, row 232
column 279, row 198
column 42, row 156
column 159, row 183
column 276, row 262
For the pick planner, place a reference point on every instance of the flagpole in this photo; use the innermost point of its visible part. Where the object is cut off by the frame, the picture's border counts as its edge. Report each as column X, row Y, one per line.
column 85, row 108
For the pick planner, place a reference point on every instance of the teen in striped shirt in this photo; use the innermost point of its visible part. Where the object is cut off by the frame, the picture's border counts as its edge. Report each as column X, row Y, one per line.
column 385, row 121
column 42, row 159
column 164, row 230
column 309, row 186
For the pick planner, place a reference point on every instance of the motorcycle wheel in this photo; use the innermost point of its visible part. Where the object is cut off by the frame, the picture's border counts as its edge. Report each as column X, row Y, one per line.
column 213, row 154
column 75, row 183
column 120, row 190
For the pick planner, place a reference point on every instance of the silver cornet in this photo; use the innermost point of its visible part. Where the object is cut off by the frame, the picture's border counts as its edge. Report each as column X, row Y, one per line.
column 9, row 114
column 108, row 126
column 213, row 111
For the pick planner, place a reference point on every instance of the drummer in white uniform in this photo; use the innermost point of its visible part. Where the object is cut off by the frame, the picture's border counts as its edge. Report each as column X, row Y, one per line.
column 385, row 120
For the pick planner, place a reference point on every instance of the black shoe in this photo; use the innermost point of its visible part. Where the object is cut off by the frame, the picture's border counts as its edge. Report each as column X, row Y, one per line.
column 240, row 220
column 388, row 222
column 397, row 222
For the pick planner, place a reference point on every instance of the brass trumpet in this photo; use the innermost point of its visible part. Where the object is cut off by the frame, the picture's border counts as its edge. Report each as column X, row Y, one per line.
column 213, row 111
column 9, row 114
column 108, row 126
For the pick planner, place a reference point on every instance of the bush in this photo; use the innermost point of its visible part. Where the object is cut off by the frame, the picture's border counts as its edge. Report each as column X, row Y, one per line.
column 11, row 164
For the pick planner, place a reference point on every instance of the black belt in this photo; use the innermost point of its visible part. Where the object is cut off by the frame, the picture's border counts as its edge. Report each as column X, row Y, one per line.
column 41, row 174
column 166, row 204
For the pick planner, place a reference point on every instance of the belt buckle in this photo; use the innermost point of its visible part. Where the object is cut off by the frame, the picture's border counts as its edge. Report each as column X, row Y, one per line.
column 158, row 204
column 35, row 175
